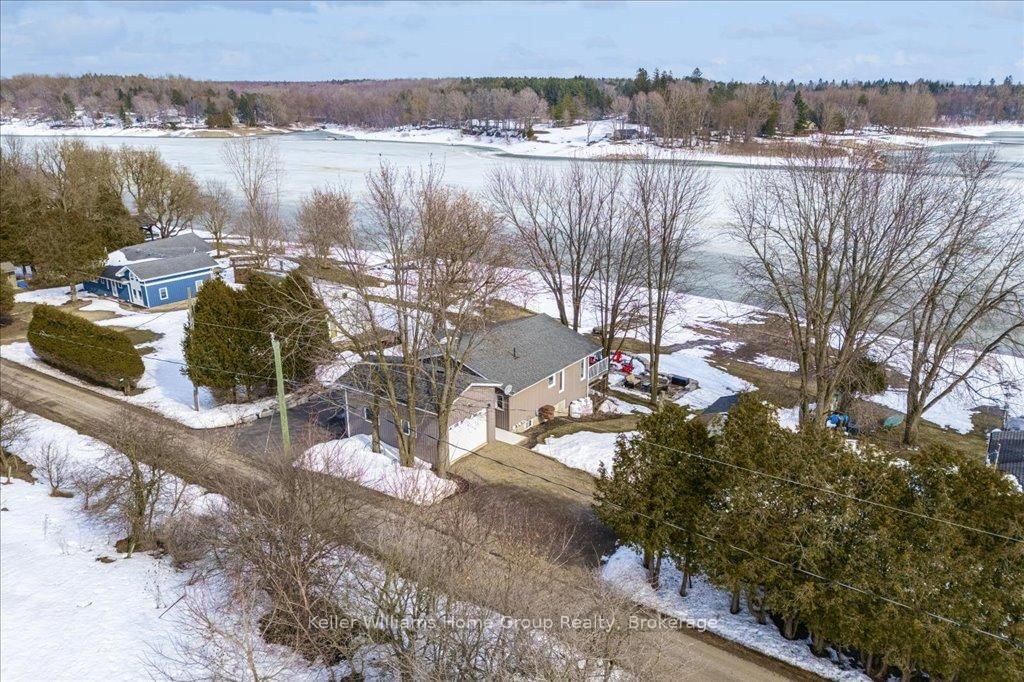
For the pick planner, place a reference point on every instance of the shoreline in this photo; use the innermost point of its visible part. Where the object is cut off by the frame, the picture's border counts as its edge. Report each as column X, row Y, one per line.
column 551, row 143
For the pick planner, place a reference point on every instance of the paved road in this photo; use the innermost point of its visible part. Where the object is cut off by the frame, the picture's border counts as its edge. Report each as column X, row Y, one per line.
column 683, row 653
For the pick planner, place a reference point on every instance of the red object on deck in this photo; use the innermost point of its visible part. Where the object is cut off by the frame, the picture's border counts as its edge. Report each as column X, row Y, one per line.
column 618, row 356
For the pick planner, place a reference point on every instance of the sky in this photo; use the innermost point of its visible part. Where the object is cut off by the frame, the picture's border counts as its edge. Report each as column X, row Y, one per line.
column 276, row 40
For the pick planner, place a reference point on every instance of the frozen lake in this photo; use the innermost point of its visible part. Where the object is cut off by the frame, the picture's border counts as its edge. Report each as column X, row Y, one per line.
column 317, row 158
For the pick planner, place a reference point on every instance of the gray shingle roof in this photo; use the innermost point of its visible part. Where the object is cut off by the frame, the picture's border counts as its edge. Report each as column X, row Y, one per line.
column 364, row 377
column 178, row 245
column 151, row 269
column 522, row 352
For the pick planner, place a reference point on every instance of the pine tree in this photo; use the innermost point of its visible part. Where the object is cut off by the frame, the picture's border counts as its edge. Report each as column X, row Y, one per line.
column 803, row 114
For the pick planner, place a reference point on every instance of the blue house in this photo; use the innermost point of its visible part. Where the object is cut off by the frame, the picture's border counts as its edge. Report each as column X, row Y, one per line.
column 157, row 272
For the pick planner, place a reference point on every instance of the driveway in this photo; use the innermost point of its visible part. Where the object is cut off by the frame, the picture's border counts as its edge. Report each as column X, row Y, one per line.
column 550, row 495
column 496, row 475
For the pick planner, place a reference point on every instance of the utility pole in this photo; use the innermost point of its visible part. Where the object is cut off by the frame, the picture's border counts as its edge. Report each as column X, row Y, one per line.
column 286, row 442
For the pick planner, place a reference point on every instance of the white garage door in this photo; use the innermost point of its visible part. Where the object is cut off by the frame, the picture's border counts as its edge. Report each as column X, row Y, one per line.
column 467, row 435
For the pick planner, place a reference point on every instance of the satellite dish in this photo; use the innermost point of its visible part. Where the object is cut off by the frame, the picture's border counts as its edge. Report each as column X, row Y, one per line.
column 507, row 390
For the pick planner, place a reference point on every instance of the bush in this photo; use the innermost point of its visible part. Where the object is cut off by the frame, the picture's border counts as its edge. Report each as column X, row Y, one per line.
column 6, row 301
column 83, row 349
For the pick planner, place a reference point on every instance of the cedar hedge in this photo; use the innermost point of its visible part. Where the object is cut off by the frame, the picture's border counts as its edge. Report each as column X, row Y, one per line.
column 83, row 349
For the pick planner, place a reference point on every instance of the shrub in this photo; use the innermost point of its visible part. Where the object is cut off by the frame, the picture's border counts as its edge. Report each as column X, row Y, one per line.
column 6, row 301
column 83, row 349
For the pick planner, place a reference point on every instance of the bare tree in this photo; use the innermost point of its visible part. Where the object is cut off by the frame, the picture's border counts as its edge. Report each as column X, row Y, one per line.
column 617, row 293
column 439, row 255
column 168, row 197
column 967, row 295
column 556, row 217
column 13, row 425
column 667, row 202
column 57, row 466
column 834, row 242
column 216, row 214
column 324, row 222
column 133, row 490
column 255, row 164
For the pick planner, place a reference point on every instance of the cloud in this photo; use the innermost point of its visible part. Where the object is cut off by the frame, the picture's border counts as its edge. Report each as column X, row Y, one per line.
column 813, row 28
column 601, row 42
column 1011, row 10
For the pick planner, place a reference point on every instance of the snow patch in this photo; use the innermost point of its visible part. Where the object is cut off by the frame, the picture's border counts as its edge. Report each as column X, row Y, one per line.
column 707, row 606
column 583, row 450
column 353, row 459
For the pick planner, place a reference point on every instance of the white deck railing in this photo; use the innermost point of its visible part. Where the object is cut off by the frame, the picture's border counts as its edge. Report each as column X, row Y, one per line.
column 597, row 369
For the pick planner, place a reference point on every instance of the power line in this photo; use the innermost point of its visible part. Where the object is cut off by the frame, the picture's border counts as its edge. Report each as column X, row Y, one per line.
column 811, row 574
column 677, row 451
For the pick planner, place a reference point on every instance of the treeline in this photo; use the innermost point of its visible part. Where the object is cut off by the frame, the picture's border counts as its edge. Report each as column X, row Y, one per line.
column 849, row 546
column 61, row 211
column 663, row 104
column 64, row 206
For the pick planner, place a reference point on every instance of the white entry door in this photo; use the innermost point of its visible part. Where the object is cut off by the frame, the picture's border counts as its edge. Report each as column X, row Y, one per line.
column 135, row 290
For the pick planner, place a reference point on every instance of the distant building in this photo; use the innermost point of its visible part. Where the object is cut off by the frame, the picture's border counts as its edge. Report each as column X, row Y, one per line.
column 157, row 272
column 1006, row 448
column 9, row 272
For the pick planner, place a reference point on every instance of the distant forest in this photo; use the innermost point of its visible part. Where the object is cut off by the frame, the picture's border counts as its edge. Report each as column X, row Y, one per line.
column 688, row 110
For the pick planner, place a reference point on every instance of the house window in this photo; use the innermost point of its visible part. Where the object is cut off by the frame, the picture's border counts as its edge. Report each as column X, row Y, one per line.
column 583, row 369
column 199, row 283
column 561, row 381
column 551, row 380
column 163, row 294
column 367, row 414
column 502, row 403
column 406, row 427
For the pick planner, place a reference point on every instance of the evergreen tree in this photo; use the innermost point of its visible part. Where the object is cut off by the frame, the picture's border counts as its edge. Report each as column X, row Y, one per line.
column 260, row 307
column 751, row 440
column 6, row 300
column 636, row 498
column 771, row 124
column 302, row 328
column 214, row 358
column 803, row 114
column 642, row 82
column 695, row 485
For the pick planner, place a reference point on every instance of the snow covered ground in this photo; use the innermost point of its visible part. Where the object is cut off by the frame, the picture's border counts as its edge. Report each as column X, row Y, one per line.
column 353, row 459
column 581, row 140
column 165, row 388
column 44, row 129
column 713, row 383
column 708, row 607
column 584, row 450
column 112, row 617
